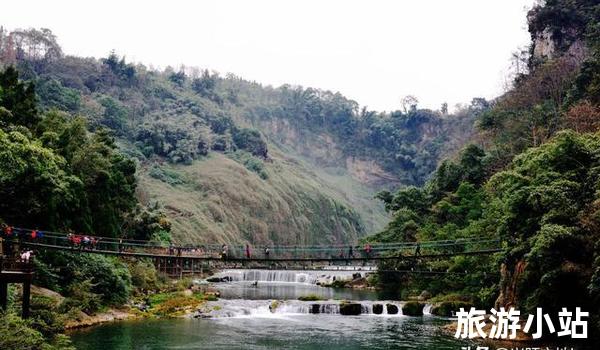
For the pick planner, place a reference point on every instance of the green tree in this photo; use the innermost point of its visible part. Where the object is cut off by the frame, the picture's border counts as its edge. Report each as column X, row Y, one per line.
column 17, row 100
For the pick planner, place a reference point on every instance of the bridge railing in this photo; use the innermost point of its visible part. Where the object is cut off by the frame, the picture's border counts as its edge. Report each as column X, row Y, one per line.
column 333, row 252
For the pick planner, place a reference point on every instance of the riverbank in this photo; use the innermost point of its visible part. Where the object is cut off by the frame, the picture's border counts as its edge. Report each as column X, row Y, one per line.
column 81, row 319
column 111, row 315
column 169, row 303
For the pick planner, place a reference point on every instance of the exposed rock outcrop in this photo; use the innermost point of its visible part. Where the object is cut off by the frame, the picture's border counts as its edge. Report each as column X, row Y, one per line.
column 509, row 278
column 350, row 309
column 392, row 309
column 413, row 308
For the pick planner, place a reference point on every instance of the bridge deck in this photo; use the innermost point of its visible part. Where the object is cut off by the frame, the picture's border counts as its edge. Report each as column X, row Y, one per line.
column 274, row 259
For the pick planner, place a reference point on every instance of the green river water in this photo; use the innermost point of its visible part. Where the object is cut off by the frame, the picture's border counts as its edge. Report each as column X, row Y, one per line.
column 242, row 320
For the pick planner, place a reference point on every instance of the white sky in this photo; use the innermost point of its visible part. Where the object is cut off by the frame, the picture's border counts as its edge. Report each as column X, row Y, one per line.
column 373, row 51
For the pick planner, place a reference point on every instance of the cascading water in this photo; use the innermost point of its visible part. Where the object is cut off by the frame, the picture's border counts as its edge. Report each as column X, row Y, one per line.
column 285, row 276
column 427, row 309
column 272, row 308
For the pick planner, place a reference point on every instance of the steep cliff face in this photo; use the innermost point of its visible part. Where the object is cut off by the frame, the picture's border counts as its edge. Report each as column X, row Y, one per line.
column 369, row 172
column 546, row 47
column 543, row 45
column 559, row 28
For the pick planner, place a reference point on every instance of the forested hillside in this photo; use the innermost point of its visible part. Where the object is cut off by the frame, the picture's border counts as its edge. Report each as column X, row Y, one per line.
column 534, row 185
column 227, row 159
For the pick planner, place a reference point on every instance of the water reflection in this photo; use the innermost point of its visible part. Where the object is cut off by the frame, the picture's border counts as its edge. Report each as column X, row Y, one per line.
column 283, row 291
column 293, row 332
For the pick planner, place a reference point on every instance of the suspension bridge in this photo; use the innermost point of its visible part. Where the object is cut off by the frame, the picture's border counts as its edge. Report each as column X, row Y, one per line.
column 191, row 259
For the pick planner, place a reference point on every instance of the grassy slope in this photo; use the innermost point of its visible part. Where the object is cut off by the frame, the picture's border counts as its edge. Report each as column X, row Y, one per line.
column 219, row 200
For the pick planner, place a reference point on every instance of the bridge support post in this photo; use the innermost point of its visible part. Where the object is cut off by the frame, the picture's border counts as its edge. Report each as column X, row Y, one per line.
column 180, row 263
column 3, row 295
column 26, row 298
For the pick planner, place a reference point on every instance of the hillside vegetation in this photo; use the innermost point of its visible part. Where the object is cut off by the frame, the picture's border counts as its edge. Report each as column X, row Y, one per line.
column 313, row 159
column 534, row 185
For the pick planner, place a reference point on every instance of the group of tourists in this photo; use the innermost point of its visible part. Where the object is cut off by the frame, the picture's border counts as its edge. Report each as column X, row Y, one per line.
column 88, row 242
column 247, row 252
column 367, row 252
column 13, row 232
column 9, row 233
column 26, row 256
column 186, row 251
column 83, row 242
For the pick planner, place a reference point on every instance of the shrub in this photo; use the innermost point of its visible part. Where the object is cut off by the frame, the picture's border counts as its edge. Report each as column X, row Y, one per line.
column 447, row 308
column 166, row 175
column 250, row 140
column 251, row 163
column 45, row 316
column 81, row 297
column 19, row 334
column 310, row 297
column 106, row 276
column 144, row 276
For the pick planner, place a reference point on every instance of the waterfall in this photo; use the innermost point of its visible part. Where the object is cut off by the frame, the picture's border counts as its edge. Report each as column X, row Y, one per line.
column 427, row 309
column 285, row 276
column 269, row 309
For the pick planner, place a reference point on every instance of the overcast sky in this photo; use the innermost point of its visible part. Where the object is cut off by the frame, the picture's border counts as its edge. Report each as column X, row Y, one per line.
column 372, row 51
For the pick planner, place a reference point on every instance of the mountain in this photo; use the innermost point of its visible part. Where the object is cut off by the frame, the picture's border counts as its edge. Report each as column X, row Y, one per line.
column 230, row 160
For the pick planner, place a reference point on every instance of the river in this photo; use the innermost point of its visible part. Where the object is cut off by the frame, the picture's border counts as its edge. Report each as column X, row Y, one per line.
column 245, row 318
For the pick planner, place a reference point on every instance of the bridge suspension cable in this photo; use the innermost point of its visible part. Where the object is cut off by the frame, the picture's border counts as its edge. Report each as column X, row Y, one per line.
column 375, row 251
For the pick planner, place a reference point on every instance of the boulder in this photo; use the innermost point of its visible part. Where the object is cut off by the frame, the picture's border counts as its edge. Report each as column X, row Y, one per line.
column 392, row 309
column 219, row 279
column 274, row 305
column 359, row 283
column 350, row 309
column 425, row 295
column 412, row 308
column 315, row 309
column 377, row 309
column 449, row 308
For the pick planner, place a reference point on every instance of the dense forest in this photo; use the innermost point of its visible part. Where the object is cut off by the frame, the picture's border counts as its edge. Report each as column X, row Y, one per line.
column 534, row 183
column 56, row 173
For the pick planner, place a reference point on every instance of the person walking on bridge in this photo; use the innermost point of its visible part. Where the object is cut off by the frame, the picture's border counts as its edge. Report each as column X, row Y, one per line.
column 418, row 250
column 267, row 251
column 224, row 249
column 350, row 252
column 368, row 250
column 247, row 251
column 26, row 256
